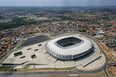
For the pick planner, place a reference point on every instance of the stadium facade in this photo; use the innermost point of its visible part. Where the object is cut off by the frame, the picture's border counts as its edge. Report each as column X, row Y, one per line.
column 69, row 47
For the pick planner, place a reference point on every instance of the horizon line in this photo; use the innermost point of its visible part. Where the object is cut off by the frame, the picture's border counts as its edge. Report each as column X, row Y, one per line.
column 61, row 6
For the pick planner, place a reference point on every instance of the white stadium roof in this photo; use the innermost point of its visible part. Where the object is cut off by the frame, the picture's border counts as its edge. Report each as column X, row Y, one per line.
column 79, row 48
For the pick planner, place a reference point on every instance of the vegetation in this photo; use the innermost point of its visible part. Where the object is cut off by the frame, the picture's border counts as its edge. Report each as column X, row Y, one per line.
column 65, row 17
column 4, row 68
column 83, row 20
column 1, row 17
column 105, row 18
column 70, row 44
column 90, row 15
column 82, row 30
column 46, row 69
column 19, row 46
column 17, row 54
column 26, row 67
column 61, row 11
column 89, row 21
column 16, row 22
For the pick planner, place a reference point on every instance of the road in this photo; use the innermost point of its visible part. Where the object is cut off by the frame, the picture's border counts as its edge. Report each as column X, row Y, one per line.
column 106, row 64
column 14, row 49
column 45, row 73
column 9, row 52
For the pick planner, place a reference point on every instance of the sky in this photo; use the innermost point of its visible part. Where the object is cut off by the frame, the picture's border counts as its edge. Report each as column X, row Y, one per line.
column 57, row 2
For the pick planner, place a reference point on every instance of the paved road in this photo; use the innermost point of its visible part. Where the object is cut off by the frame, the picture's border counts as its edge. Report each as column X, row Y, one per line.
column 14, row 49
column 35, row 74
column 9, row 52
column 105, row 67
column 106, row 64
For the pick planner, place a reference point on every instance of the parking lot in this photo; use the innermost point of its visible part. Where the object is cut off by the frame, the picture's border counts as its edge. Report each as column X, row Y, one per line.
column 35, row 40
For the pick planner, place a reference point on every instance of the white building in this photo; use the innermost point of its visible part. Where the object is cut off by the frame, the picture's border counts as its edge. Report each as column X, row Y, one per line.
column 69, row 47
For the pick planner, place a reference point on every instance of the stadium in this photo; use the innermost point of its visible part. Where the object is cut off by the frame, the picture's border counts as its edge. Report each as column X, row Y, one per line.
column 69, row 47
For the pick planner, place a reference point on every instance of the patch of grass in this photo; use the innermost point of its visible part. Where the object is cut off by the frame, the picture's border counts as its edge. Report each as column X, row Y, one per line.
column 4, row 68
column 101, row 74
column 81, row 30
column 26, row 67
column 19, row 46
column 65, row 18
column 16, row 22
column 70, row 44
column 90, row 15
column 46, row 69
column 59, row 75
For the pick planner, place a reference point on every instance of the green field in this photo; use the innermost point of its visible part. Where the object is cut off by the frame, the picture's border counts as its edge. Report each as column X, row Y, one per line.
column 90, row 15
column 4, row 68
column 19, row 46
column 16, row 22
column 70, row 44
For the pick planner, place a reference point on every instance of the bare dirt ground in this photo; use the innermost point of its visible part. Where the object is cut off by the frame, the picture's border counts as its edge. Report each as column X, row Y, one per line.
column 101, row 74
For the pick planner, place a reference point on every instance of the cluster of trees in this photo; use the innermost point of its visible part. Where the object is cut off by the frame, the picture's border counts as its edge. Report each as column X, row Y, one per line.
column 106, row 18
column 59, row 11
column 89, row 21
column 65, row 18
column 1, row 17
column 82, row 30
column 16, row 22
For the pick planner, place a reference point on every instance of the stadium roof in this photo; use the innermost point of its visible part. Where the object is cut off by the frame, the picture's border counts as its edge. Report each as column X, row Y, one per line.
column 79, row 48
